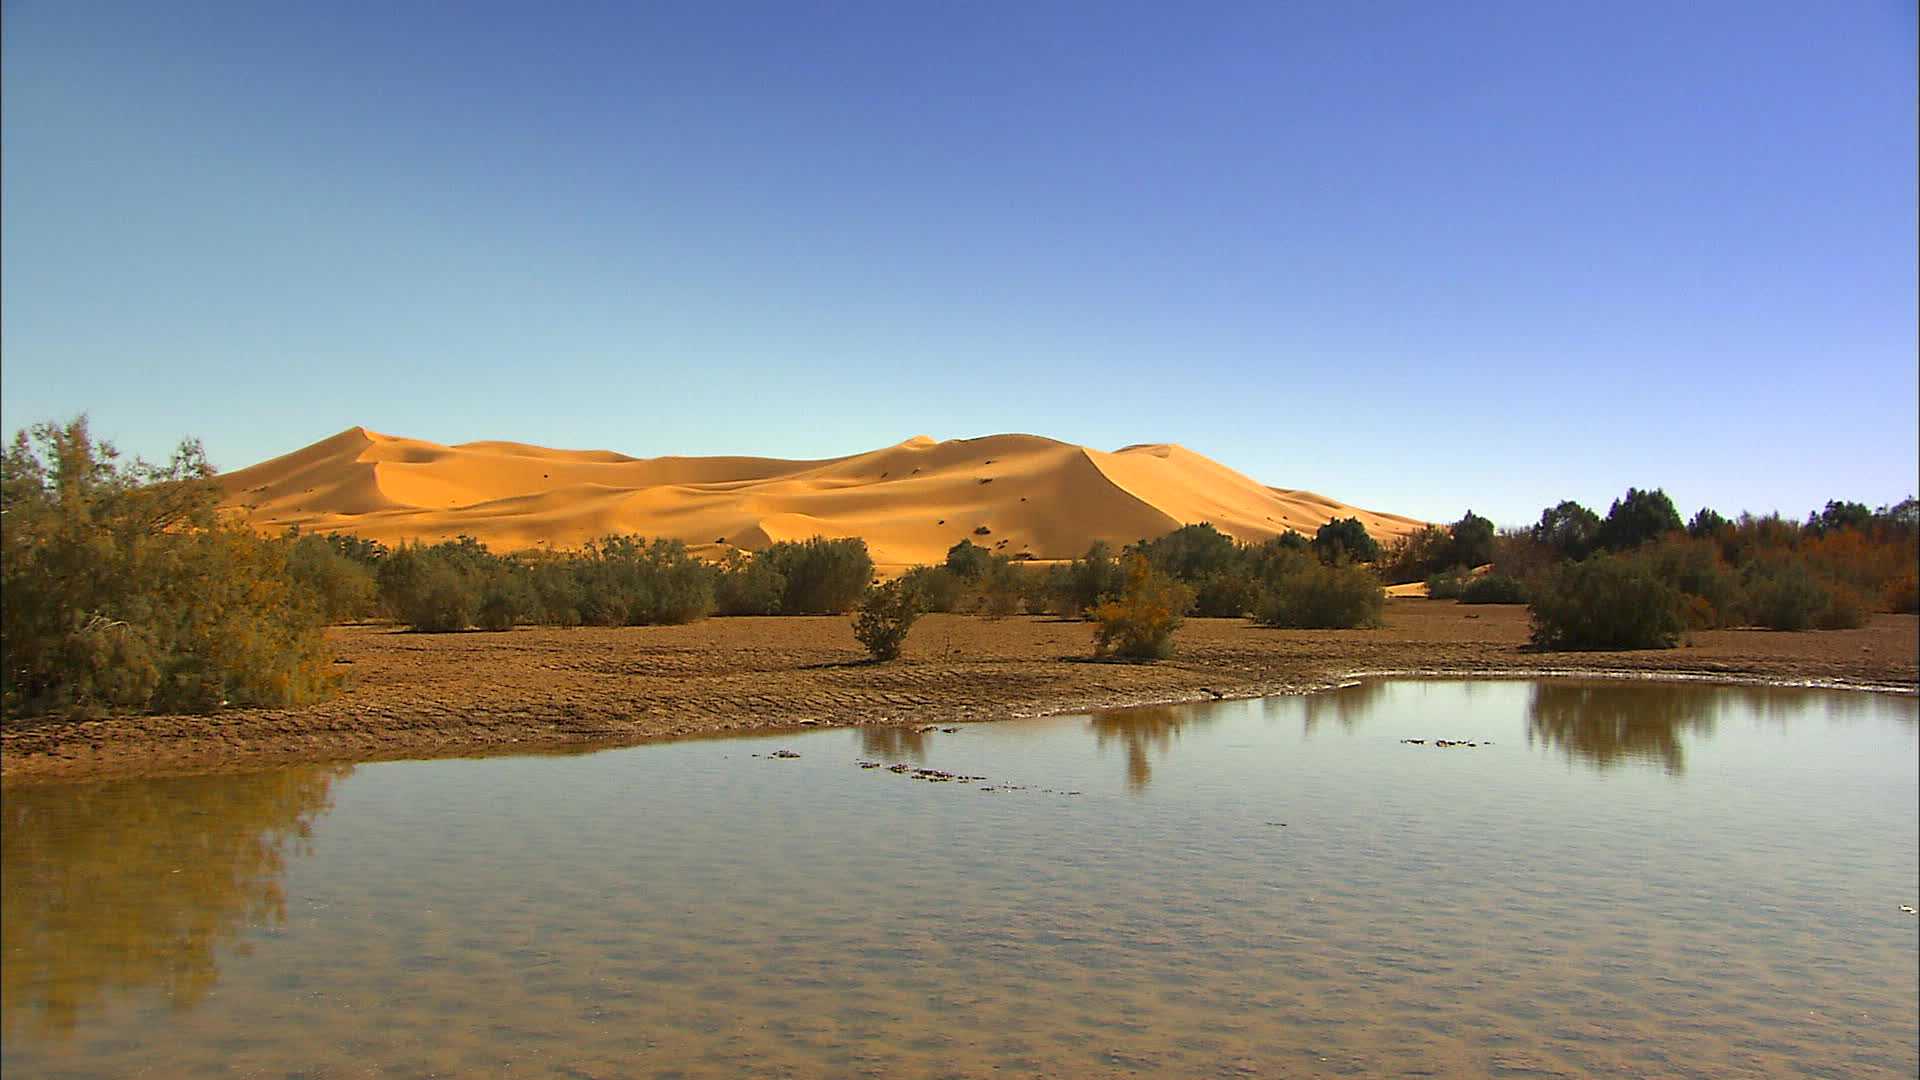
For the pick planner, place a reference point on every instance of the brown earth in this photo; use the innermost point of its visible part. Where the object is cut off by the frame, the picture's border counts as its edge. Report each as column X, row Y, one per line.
column 423, row 695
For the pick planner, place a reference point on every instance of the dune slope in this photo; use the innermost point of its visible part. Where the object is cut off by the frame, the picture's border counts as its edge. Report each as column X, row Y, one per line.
column 1017, row 494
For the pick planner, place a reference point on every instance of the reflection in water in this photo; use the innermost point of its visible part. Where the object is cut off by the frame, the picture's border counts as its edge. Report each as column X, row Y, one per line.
column 1144, row 732
column 1346, row 706
column 1605, row 725
column 136, row 885
column 893, row 743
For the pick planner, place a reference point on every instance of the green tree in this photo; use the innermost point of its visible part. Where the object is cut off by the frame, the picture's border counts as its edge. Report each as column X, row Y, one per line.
column 1471, row 541
column 1345, row 540
column 1568, row 528
column 1635, row 518
column 967, row 560
column 125, row 589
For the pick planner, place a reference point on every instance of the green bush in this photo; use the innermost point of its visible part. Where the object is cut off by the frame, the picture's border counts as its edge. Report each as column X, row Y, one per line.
column 1323, row 597
column 748, row 585
column 1088, row 581
column 1449, row 584
column 1192, row 553
column 967, row 560
column 1345, row 540
column 344, row 585
column 124, row 589
column 823, row 577
column 886, row 615
column 1605, row 602
column 1140, row 622
column 1493, row 589
column 938, row 588
column 1783, row 593
column 1226, row 595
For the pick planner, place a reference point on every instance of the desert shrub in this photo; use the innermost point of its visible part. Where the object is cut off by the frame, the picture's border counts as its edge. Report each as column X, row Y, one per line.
column 748, row 585
column 1449, row 584
column 1001, row 589
column 1493, row 589
column 1140, row 622
column 1902, row 594
column 556, row 591
column 1415, row 556
column 124, row 589
column 1605, row 602
column 428, row 591
column 1192, row 553
column 886, row 614
column 1695, row 568
column 1784, row 593
column 967, row 560
column 1345, row 540
column 506, row 598
column 1038, row 597
column 1636, row 518
column 343, row 585
column 1518, row 554
column 1088, row 581
column 938, row 588
column 1226, row 595
column 823, row 577
column 1323, row 597
column 1865, row 562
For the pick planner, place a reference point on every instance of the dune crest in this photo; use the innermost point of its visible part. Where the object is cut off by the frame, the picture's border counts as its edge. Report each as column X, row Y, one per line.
column 1021, row 495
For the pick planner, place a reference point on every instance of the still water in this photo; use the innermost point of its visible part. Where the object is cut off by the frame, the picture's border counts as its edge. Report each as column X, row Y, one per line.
column 1619, row 879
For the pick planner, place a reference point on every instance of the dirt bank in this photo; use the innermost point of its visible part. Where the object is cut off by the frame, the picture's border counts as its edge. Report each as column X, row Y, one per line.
column 422, row 695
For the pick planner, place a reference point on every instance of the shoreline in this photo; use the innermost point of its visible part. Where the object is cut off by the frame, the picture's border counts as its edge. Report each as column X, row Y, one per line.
column 416, row 696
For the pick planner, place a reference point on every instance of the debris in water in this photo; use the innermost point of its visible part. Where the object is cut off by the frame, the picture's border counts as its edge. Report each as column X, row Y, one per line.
column 784, row 754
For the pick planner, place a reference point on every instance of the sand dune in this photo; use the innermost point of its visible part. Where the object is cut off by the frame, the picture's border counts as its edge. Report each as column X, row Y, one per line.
column 1032, row 496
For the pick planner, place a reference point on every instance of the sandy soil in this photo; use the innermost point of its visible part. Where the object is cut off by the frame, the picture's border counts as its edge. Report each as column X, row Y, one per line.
column 422, row 695
column 1016, row 494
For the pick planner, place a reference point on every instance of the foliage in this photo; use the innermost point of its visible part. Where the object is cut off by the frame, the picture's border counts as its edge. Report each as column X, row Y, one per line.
column 1784, row 593
column 1449, row 584
column 1713, row 593
column 1191, row 553
column 1415, row 556
column 1316, row 596
column 1139, row 624
column 1345, row 540
column 886, row 614
column 823, row 577
column 343, row 585
column 1088, row 581
column 967, row 560
column 748, row 585
column 1636, row 518
column 1605, row 602
column 1493, row 589
column 1470, row 541
column 1707, row 524
column 1227, row 595
column 124, row 589
column 939, row 589
column 1840, row 515
column 1568, row 528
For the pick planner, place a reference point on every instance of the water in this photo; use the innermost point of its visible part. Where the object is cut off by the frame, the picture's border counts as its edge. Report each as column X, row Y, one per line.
column 1631, row 879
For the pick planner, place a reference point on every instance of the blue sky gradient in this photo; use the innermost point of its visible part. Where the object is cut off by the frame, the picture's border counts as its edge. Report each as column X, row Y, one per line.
column 1416, row 257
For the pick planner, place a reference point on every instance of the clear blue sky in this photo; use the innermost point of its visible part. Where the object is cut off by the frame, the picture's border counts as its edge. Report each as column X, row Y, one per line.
column 1420, row 257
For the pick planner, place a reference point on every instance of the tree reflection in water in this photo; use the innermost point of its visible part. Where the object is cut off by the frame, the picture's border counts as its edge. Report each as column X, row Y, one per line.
column 894, row 743
column 1345, row 705
column 136, row 885
column 1605, row 725
column 1144, row 733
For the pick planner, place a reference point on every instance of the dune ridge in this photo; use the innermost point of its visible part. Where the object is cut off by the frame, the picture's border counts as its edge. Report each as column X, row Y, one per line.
column 1033, row 496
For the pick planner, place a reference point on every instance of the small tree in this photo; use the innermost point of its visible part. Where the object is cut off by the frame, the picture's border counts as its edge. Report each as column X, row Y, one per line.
column 1568, row 528
column 1345, row 540
column 1471, row 541
column 886, row 614
column 967, row 560
column 1140, row 624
